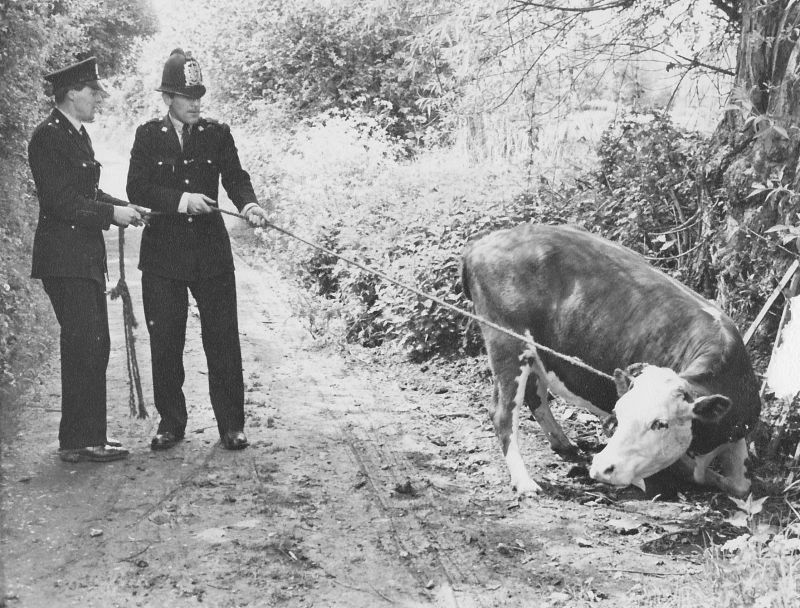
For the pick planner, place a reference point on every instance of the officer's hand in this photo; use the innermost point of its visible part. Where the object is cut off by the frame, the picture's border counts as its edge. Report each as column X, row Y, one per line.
column 199, row 203
column 126, row 216
column 256, row 216
column 144, row 212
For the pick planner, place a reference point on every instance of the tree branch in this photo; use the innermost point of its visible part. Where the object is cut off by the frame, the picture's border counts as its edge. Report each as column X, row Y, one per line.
column 695, row 63
column 612, row 4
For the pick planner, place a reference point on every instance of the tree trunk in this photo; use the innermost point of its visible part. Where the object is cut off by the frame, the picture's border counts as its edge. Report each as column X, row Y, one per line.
column 761, row 134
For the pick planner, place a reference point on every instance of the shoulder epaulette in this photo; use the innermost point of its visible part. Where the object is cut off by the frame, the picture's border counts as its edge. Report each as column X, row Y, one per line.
column 53, row 121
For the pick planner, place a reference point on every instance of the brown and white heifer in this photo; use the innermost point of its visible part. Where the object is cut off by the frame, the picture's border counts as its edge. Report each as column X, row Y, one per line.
column 688, row 392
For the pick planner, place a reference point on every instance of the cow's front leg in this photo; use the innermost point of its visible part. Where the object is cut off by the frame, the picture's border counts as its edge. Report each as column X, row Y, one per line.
column 733, row 462
column 539, row 404
column 733, row 457
column 509, row 393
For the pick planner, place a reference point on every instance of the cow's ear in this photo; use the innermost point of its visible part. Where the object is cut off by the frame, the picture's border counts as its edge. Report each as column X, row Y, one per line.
column 610, row 425
column 711, row 408
column 634, row 369
column 622, row 379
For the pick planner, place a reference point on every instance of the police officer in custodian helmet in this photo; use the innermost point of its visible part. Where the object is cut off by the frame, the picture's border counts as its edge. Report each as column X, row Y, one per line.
column 175, row 169
column 69, row 256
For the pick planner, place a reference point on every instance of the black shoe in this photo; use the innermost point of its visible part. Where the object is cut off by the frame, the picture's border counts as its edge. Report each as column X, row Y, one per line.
column 164, row 441
column 96, row 453
column 234, row 440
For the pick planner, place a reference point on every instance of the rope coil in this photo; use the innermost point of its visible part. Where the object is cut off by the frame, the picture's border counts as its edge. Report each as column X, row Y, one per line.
column 129, row 321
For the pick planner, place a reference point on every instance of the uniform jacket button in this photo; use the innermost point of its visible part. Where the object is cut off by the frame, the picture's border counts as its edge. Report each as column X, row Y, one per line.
column 189, row 220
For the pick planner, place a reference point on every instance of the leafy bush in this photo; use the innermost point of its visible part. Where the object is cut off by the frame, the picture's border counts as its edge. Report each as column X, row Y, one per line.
column 647, row 183
column 318, row 56
column 425, row 255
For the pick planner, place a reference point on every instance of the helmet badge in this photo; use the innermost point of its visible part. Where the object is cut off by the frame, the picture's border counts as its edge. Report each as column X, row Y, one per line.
column 191, row 71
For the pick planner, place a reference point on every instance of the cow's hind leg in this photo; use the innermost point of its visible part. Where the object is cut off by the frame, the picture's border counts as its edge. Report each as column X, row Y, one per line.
column 537, row 399
column 510, row 377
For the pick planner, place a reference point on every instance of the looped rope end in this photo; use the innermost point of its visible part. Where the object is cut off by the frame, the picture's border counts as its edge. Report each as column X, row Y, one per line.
column 121, row 291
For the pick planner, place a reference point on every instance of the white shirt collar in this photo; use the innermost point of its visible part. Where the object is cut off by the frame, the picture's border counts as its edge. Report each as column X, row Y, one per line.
column 176, row 123
column 74, row 121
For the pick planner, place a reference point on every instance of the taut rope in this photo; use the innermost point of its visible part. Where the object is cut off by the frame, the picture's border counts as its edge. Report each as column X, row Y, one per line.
column 526, row 339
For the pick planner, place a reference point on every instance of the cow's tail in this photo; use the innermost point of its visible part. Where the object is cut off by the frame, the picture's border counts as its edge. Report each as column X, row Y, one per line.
column 465, row 276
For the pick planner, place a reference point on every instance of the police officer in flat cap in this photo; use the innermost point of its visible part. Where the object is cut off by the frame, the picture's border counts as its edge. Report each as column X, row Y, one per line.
column 69, row 256
column 175, row 169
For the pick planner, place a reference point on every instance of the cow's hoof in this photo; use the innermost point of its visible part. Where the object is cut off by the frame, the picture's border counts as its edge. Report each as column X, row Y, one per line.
column 569, row 453
column 527, row 487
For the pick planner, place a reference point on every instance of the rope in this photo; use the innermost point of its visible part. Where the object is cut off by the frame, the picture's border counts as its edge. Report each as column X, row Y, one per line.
column 527, row 339
column 121, row 291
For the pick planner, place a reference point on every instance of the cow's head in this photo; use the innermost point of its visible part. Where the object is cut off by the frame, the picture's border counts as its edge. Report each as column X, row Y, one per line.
column 653, row 424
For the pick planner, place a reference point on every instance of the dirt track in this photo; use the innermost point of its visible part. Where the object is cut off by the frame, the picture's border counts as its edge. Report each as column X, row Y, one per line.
column 367, row 483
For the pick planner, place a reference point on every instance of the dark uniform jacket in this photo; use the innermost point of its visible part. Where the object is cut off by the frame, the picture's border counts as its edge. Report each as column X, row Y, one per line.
column 176, row 245
column 73, row 211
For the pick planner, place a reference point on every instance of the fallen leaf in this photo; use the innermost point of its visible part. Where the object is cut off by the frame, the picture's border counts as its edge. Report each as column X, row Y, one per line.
column 95, row 532
column 624, row 526
column 736, row 544
column 504, row 549
column 405, row 488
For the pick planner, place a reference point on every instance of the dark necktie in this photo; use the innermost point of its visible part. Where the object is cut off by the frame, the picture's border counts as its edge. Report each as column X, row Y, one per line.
column 87, row 140
column 185, row 132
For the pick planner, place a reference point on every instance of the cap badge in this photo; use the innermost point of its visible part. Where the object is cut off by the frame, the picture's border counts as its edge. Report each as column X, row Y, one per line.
column 191, row 72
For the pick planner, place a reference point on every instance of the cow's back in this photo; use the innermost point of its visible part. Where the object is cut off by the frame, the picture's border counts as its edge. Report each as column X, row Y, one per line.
column 577, row 290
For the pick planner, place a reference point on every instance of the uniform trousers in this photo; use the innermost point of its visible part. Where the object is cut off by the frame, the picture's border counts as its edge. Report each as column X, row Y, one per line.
column 166, row 304
column 80, row 307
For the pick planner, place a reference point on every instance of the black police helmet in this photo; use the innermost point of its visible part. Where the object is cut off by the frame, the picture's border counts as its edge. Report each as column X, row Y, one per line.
column 182, row 76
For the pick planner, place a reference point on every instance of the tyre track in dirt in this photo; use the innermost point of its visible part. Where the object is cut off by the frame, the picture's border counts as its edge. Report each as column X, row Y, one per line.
column 383, row 469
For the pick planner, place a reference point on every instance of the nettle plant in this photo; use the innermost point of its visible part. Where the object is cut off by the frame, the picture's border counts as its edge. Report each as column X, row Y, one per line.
column 758, row 533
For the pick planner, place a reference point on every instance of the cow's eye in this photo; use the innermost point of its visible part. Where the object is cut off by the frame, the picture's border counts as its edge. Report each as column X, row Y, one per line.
column 659, row 425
